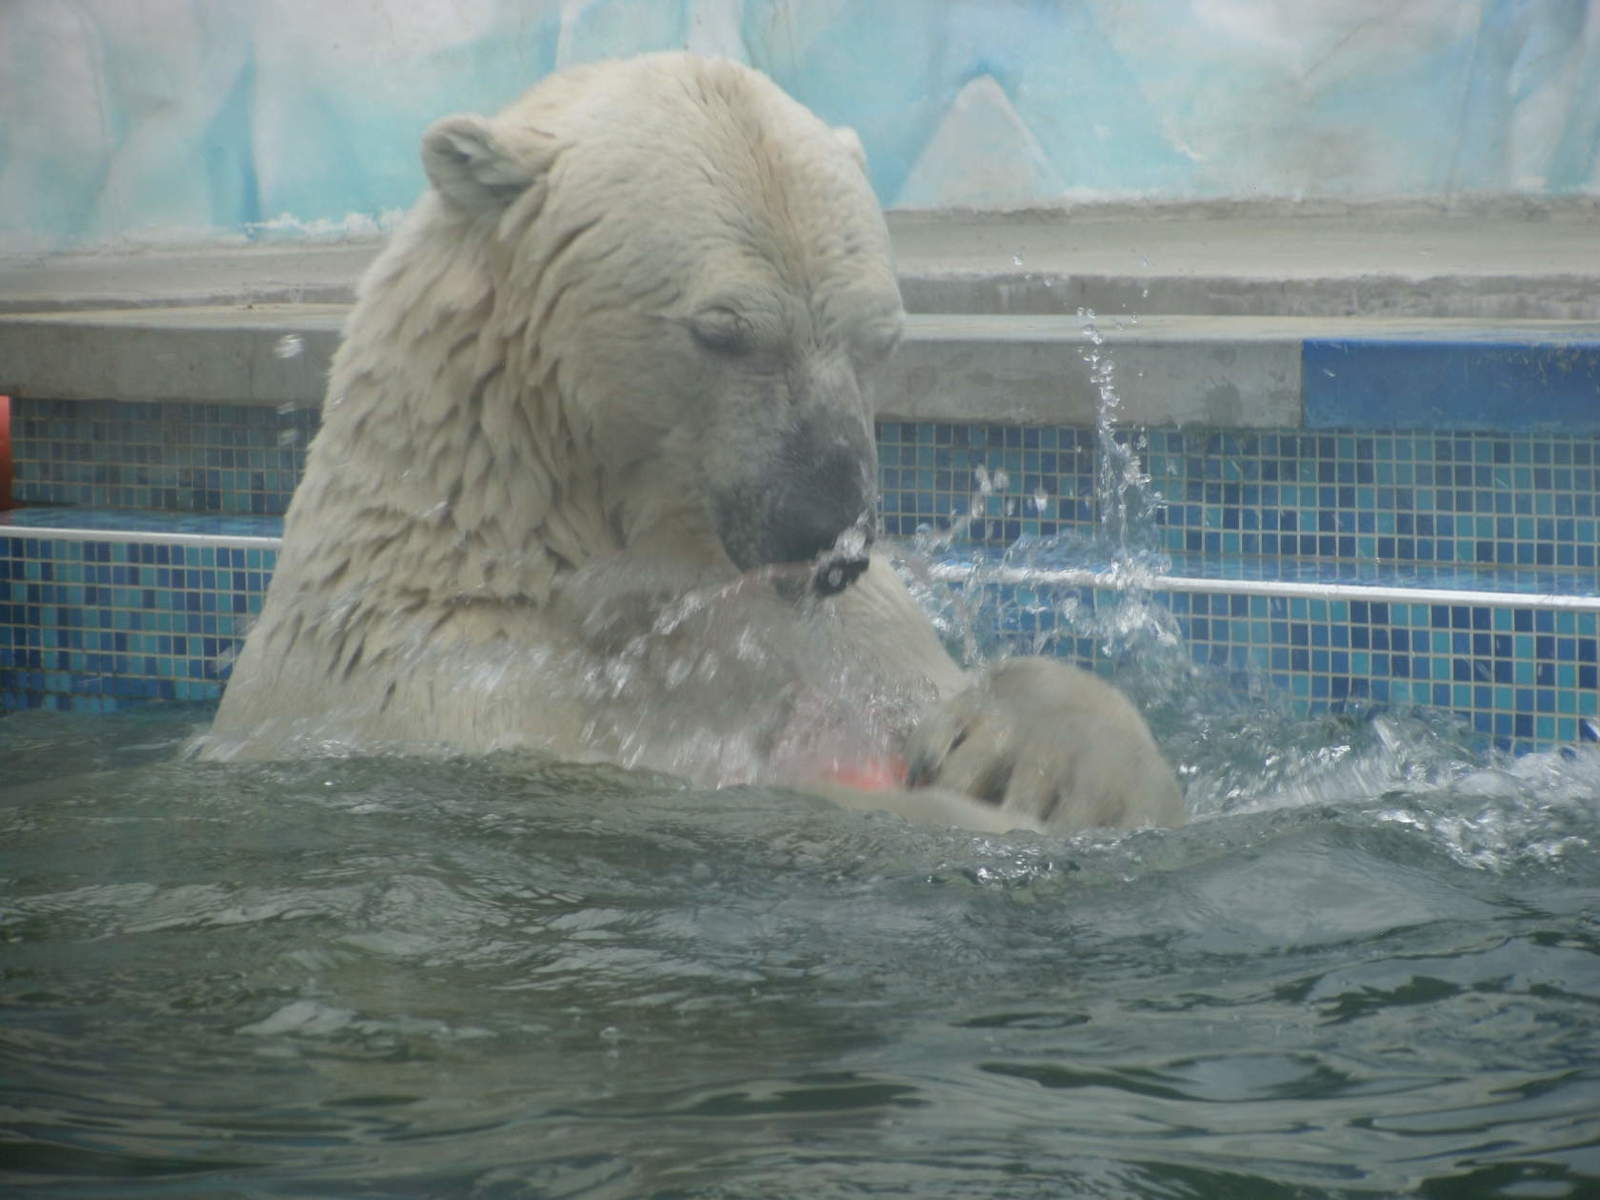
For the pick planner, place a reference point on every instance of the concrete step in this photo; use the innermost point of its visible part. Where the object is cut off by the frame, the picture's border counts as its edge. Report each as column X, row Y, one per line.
column 1485, row 258
column 1228, row 372
column 1489, row 259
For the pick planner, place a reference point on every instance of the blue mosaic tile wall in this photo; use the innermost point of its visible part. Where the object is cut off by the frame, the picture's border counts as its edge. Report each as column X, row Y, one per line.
column 1042, row 478
column 173, row 457
column 1541, row 380
column 1465, row 498
column 1525, row 677
column 90, row 625
column 99, row 622
column 1480, row 499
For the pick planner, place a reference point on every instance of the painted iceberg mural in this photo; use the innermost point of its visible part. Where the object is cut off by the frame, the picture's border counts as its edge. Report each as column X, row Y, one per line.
column 157, row 120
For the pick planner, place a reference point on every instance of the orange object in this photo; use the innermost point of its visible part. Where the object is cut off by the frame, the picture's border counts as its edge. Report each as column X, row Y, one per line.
column 5, row 453
column 878, row 775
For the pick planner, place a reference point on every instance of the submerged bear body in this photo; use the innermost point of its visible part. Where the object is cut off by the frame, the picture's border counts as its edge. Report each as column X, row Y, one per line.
column 596, row 477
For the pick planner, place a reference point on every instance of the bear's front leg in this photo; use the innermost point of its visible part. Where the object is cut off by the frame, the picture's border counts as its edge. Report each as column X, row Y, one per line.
column 1049, row 744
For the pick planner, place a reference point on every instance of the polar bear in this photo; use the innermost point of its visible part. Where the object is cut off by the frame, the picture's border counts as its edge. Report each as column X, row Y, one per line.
column 596, row 477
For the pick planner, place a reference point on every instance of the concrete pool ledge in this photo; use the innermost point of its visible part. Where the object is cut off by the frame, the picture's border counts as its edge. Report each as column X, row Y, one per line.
column 1234, row 298
column 1248, row 372
column 1168, row 369
column 1486, row 257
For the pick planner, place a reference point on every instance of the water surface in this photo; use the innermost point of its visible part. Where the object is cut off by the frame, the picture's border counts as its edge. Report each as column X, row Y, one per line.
column 1371, row 966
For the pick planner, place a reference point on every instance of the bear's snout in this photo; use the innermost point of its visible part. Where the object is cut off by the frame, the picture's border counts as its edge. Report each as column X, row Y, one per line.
column 819, row 492
column 816, row 498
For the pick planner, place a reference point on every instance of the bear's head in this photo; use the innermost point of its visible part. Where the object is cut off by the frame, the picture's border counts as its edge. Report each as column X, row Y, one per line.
column 687, row 285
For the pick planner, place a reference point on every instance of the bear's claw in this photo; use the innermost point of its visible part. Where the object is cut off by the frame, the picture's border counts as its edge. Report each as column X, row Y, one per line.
column 835, row 574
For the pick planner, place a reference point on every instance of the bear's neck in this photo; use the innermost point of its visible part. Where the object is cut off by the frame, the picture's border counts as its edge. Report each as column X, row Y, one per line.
column 444, row 432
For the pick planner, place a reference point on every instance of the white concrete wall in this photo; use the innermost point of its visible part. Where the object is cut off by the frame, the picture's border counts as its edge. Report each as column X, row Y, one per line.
column 155, row 120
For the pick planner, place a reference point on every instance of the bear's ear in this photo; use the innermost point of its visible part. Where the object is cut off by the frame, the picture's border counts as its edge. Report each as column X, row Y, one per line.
column 471, row 165
column 851, row 141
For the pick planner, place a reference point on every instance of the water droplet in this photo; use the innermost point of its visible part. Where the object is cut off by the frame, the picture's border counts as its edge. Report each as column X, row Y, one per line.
column 1016, row 258
column 852, row 543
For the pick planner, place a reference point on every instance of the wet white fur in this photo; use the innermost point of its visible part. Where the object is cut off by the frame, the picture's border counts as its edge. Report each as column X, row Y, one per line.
column 502, row 538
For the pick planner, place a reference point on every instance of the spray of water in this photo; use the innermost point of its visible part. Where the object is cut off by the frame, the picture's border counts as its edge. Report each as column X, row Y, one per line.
column 1125, row 543
column 1236, row 740
column 1126, row 500
column 959, row 612
column 1012, row 602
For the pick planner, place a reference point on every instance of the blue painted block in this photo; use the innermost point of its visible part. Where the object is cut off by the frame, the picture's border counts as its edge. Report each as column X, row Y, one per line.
column 1551, row 386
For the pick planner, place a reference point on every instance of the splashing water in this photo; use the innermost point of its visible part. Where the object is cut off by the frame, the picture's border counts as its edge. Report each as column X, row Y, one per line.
column 1028, row 598
column 1240, row 743
column 1126, row 500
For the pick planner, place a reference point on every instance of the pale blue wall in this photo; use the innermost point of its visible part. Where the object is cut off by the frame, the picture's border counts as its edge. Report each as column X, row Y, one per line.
column 140, row 120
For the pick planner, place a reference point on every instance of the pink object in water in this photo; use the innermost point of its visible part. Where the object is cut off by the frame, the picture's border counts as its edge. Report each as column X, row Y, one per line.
column 875, row 775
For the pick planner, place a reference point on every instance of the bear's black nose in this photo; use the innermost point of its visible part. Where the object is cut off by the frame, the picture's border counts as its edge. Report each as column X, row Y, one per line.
column 817, row 498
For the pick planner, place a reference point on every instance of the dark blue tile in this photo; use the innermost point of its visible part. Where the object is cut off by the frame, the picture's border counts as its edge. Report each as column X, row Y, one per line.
column 1496, row 387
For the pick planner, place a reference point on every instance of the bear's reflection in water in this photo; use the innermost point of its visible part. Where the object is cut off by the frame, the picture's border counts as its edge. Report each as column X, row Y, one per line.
column 600, row 401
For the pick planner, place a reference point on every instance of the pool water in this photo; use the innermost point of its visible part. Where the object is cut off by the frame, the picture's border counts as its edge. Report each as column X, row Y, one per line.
column 1370, row 966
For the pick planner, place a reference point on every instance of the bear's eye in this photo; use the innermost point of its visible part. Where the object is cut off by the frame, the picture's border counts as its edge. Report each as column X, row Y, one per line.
column 723, row 331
